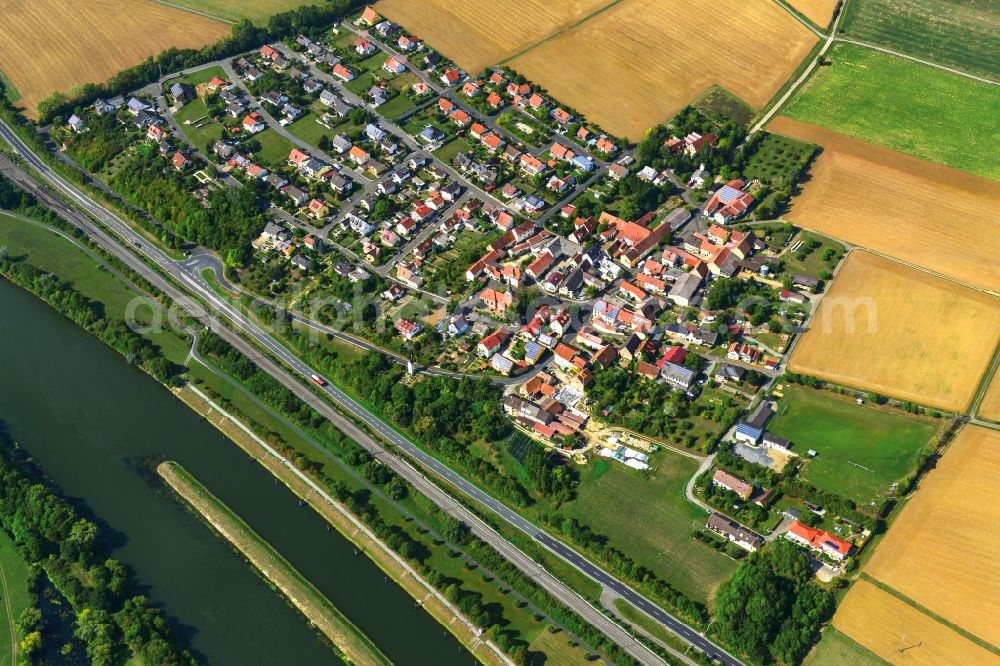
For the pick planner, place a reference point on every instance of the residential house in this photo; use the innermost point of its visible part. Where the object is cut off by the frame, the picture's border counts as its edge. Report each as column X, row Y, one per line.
column 736, row 533
column 723, row 479
column 819, row 540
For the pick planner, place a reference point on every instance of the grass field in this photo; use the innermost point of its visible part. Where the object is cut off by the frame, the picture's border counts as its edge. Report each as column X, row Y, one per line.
column 906, row 106
column 964, row 34
column 235, row 10
column 886, row 443
column 203, row 130
column 891, row 329
column 49, row 252
column 15, row 575
column 836, row 648
column 819, row 12
column 274, row 148
column 53, row 45
column 919, row 212
column 475, row 35
column 810, row 260
column 649, row 518
column 883, row 623
column 946, row 530
column 719, row 101
column 631, row 67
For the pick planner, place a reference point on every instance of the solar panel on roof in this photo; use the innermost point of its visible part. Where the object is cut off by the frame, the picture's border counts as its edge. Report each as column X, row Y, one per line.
column 727, row 194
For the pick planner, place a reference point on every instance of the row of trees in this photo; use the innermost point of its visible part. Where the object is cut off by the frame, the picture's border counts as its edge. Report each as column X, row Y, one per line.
column 89, row 314
column 310, row 20
column 48, row 532
column 361, row 503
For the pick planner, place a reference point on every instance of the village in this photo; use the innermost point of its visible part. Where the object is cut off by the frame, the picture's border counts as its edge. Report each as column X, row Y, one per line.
column 496, row 233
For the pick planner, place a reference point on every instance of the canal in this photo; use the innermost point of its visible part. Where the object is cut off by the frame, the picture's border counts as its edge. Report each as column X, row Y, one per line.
column 97, row 426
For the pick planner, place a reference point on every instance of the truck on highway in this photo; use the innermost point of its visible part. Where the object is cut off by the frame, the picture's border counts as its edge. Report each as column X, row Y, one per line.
column 319, row 380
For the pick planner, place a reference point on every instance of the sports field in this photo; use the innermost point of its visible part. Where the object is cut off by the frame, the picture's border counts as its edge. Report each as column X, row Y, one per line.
column 819, row 12
column 53, row 45
column 939, row 550
column 235, row 10
column 648, row 517
column 926, row 214
column 861, row 450
column 900, row 332
column 901, row 634
column 636, row 64
column 964, row 34
column 476, row 35
column 904, row 105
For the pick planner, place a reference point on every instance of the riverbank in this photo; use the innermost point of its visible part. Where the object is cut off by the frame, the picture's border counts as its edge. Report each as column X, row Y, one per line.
column 347, row 525
column 352, row 643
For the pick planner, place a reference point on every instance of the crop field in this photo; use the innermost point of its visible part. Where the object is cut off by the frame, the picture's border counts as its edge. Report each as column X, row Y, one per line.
column 900, row 332
column 819, row 12
column 885, row 625
column 649, row 517
column 990, row 406
column 904, row 105
column 477, row 35
column 926, row 214
column 862, row 450
column 964, row 34
column 938, row 551
column 632, row 66
column 43, row 51
column 236, row 10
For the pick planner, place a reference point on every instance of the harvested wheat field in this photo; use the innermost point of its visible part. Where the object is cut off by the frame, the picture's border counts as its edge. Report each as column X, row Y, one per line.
column 927, row 214
column 637, row 64
column 885, row 625
column 989, row 408
column 477, row 35
column 939, row 550
column 900, row 332
column 53, row 45
column 819, row 12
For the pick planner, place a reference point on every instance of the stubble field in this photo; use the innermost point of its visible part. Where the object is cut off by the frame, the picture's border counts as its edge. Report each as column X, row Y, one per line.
column 939, row 550
column 235, row 10
column 54, row 45
column 922, row 213
column 819, row 12
column 884, row 624
column 989, row 408
column 900, row 332
column 476, row 35
column 639, row 62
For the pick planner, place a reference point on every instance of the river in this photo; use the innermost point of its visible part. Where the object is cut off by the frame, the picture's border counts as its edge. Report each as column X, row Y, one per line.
column 97, row 426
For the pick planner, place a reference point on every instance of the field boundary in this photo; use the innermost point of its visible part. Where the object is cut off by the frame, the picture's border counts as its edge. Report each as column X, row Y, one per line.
column 192, row 10
column 929, row 613
column 584, row 19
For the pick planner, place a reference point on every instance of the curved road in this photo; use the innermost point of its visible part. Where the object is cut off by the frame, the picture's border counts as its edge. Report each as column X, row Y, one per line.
column 371, row 424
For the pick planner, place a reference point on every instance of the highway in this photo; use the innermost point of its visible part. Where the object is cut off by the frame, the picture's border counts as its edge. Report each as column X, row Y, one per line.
column 417, row 478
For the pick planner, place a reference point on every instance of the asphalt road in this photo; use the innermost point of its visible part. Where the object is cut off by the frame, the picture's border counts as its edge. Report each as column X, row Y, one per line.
column 372, row 424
